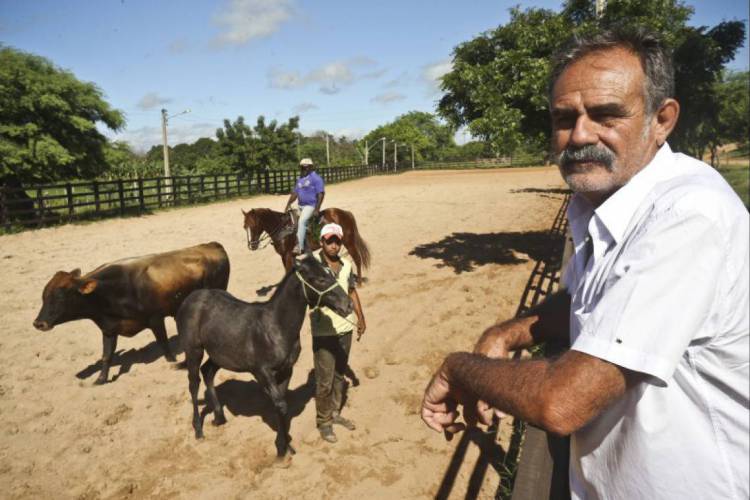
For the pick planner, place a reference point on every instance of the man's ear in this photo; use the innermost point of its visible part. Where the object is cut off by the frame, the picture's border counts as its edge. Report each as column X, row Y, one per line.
column 665, row 120
column 87, row 287
column 76, row 273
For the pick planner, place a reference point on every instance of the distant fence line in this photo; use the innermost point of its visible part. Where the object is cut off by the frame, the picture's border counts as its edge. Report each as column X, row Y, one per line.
column 48, row 204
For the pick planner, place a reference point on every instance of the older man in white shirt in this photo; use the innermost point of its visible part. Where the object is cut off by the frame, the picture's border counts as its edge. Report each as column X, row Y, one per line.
column 654, row 389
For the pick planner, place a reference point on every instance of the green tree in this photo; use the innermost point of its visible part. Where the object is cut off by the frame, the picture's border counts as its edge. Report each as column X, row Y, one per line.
column 48, row 121
column 733, row 96
column 498, row 85
column 271, row 145
column 429, row 137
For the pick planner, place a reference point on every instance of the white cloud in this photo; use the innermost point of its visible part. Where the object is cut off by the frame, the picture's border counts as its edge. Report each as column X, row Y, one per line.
column 433, row 73
column 388, row 97
column 142, row 139
column 243, row 20
column 304, row 106
column 330, row 77
column 152, row 100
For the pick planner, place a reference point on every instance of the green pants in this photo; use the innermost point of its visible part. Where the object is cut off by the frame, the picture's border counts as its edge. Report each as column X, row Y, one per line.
column 330, row 357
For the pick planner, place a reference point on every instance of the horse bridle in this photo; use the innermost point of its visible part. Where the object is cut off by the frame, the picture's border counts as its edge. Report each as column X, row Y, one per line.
column 320, row 293
column 268, row 236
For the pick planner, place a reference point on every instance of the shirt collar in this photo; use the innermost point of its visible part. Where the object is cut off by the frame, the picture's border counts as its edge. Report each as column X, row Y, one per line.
column 617, row 210
column 613, row 216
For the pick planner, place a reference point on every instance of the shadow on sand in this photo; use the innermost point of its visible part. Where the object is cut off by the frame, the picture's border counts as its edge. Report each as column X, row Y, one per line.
column 465, row 251
column 125, row 359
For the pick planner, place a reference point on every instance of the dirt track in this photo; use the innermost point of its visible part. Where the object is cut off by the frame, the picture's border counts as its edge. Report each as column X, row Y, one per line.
column 451, row 254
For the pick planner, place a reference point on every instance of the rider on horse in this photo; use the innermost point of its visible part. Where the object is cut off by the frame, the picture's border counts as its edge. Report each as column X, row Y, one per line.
column 309, row 192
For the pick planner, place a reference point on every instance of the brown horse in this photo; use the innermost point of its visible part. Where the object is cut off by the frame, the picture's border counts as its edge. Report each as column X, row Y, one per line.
column 280, row 230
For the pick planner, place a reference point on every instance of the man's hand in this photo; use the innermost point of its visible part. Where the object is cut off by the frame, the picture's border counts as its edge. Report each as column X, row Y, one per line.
column 440, row 405
column 492, row 343
column 361, row 327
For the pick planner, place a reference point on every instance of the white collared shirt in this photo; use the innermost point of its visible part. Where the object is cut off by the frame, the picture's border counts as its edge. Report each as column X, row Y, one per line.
column 665, row 293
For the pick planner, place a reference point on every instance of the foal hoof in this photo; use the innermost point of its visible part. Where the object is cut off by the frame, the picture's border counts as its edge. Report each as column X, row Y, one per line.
column 283, row 462
column 100, row 381
column 219, row 421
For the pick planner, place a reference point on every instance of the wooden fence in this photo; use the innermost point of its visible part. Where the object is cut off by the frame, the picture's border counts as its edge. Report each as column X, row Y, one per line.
column 49, row 204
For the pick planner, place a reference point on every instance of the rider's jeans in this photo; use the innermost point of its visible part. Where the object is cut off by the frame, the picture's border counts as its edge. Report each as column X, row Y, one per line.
column 306, row 213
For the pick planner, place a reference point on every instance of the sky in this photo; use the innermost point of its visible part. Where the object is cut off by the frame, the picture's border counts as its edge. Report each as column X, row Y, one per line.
column 345, row 67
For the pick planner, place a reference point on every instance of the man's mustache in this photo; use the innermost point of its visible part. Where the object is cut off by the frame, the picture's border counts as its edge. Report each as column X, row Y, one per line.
column 588, row 153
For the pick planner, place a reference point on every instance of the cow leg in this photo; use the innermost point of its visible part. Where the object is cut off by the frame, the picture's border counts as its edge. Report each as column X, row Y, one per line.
column 109, row 344
column 209, row 370
column 160, row 332
column 193, row 358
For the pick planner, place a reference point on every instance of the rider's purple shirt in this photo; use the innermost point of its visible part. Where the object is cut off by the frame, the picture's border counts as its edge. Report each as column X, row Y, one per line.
column 307, row 189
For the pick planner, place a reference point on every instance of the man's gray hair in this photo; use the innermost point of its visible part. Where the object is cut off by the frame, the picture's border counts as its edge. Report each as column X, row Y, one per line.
column 656, row 60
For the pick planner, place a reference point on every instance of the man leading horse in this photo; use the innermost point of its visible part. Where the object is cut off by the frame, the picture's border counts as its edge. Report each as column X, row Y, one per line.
column 309, row 191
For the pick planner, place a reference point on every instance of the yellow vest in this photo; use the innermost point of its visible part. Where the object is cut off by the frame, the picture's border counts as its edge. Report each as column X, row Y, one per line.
column 325, row 322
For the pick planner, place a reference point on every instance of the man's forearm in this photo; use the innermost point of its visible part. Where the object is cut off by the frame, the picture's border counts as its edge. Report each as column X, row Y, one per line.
column 560, row 396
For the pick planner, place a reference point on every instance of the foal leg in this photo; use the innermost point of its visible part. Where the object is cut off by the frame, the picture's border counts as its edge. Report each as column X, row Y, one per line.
column 209, row 370
column 193, row 358
column 277, row 392
column 160, row 332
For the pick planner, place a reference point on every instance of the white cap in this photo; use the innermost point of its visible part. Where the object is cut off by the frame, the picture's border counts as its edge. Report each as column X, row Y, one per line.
column 331, row 229
column 304, row 162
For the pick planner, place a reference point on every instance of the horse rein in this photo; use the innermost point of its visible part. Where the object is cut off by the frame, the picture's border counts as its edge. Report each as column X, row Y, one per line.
column 320, row 293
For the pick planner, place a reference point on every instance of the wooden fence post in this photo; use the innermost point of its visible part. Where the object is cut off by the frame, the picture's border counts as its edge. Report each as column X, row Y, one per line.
column 40, row 206
column 189, row 191
column 97, row 204
column 158, row 192
column 121, row 193
column 141, row 200
column 216, row 187
column 4, row 208
column 69, row 196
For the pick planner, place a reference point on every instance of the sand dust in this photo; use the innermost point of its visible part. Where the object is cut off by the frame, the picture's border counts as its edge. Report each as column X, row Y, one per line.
column 451, row 254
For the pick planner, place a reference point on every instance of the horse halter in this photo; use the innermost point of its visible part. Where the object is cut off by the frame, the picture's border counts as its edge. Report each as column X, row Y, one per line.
column 268, row 237
column 320, row 293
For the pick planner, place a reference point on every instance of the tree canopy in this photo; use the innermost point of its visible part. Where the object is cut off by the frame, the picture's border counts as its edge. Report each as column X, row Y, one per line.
column 423, row 131
column 498, row 84
column 48, row 121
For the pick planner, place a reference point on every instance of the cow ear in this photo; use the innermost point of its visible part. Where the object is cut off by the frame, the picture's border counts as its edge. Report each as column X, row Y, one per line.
column 76, row 273
column 87, row 287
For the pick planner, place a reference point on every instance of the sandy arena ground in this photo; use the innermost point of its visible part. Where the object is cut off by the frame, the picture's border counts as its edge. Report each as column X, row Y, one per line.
column 429, row 292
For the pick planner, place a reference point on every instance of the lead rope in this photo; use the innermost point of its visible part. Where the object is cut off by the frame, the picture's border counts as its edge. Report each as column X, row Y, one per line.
column 320, row 295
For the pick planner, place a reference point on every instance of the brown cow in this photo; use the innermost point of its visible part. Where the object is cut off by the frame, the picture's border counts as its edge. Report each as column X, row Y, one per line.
column 126, row 296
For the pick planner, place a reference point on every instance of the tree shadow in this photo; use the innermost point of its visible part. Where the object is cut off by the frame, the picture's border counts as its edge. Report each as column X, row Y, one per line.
column 465, row 251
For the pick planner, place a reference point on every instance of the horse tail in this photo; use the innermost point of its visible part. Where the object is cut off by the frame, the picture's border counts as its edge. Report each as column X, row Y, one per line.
column 361, row 245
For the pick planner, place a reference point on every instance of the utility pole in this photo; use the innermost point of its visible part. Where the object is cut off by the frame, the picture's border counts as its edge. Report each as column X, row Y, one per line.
column 328, row 153
column 601, row 5
column 367, row 151
column 412, row 156
column 383, row 157
column 164, row 119
column 395, row 157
